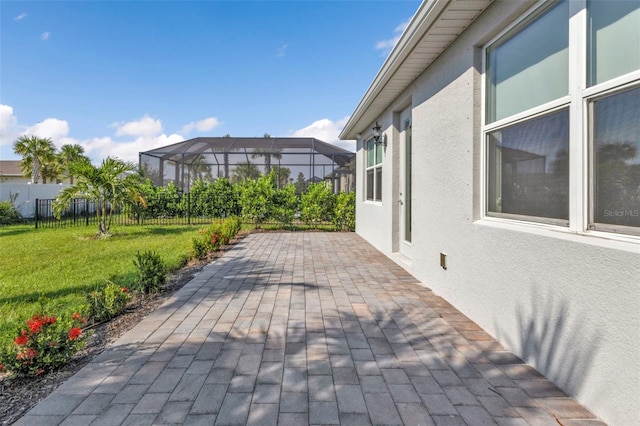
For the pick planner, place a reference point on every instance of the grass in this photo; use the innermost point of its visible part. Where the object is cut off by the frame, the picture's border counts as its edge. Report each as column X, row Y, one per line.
column 62, row 264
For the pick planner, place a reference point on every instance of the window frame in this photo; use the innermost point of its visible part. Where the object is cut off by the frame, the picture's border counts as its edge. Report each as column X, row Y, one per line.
column 578, row 101
column 376, row 169
column 535, row 112
column 487, row 160
column 592, row 225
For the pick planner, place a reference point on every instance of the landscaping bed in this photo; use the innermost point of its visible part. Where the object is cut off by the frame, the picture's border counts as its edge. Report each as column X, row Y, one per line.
column 19, row 395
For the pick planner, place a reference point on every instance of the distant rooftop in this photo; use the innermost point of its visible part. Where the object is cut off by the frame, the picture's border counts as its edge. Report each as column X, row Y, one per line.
column 10, row 168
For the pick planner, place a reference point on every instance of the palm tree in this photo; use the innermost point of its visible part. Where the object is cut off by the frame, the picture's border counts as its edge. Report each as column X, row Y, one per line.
column 244, row 172
column 200, row 169
column 35, row 152
column 70, row 154
column 267, row 153
column 51, row 171
column 111, row 185
column 281, row 176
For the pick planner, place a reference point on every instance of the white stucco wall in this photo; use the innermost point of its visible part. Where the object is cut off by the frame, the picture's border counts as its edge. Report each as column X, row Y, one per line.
column 27, row 194
column 568, row 304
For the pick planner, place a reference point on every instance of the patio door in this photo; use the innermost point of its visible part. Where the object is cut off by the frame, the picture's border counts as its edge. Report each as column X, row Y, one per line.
column 404, row 197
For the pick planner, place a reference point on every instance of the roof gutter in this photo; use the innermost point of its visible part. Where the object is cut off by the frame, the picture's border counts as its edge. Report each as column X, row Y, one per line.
column 425, row 17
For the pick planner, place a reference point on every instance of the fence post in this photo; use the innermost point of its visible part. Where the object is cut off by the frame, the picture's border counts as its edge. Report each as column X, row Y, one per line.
column 188, row 208
column 37, row 208
column 86, row 211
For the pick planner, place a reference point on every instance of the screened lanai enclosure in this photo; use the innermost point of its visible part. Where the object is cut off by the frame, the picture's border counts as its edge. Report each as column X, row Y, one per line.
column 293, row 160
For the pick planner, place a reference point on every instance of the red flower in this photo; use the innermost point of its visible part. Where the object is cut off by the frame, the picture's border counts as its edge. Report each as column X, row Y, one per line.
column 21, row 340
column 30, row 353
column 74, row 333
column 75, row 316
column 124, row 289
column 52, row 320
column 35, row 323
column 1, row 367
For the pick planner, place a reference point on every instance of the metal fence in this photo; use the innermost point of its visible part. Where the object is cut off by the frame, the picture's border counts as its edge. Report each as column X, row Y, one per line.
column 82, row 212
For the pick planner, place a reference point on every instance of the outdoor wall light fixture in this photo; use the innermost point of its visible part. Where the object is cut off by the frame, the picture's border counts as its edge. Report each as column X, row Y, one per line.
column 378, row 136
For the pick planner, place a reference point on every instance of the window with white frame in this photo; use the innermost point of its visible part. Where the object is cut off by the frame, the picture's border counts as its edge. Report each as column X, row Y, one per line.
column 374, row 171
column 551, row 103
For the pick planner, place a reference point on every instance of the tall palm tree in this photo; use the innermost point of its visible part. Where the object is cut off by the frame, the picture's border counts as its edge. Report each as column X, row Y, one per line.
column 110, row 185
column 267, row 153
column 35, row 151
column 70, row 154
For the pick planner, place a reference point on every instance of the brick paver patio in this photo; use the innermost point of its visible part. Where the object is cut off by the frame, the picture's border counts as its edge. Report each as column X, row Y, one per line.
column 306, row 328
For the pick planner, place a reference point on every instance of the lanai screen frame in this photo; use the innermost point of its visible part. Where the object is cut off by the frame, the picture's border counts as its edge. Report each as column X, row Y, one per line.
column 204, row 157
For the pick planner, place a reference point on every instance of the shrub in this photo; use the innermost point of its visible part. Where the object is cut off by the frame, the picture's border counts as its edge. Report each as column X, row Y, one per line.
column 200, row 248
column 45, row 344
column 229, row 228
column 285, row 204
column 226, row 199
column 151, row 271
column 215, row 235
column 256, row 199
column 9, row 214
column 162, row 201
column 344, row 212
column 317, row 204
column 107, row 301
column 209, row 241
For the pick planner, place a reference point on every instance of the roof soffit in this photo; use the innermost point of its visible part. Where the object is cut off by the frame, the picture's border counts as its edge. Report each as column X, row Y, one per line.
column 435, row 25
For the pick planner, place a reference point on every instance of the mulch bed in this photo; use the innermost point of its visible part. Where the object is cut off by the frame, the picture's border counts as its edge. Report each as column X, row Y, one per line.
column 19, row 395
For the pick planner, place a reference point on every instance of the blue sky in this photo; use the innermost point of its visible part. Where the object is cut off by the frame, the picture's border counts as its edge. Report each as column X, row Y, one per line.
column 120, row 77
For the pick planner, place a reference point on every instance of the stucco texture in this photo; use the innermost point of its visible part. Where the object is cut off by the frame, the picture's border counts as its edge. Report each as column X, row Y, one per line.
column 566, row 303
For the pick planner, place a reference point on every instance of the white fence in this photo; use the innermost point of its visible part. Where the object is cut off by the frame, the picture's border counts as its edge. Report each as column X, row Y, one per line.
column 27, row 193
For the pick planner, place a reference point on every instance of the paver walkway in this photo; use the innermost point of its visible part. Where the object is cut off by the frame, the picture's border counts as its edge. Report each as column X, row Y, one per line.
column 306, row 328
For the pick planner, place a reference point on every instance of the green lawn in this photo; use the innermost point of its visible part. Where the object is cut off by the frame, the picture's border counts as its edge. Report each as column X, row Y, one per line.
column 62, row 264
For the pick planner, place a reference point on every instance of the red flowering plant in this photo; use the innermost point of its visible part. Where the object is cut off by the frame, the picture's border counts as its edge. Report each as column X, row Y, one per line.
column 215, row 236
column 46, row 343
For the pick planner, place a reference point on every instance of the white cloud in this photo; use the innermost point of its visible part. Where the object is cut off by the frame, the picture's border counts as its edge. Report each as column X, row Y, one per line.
column 100, row 148
column 8, row 125
column 49, row 128
column 45, row 36
column 20, row 17
column 55, row 129
column 144, row 134
column 327, row 131
column 387, row 45
column 144, row 127
column 282, row 51
column 202, row 125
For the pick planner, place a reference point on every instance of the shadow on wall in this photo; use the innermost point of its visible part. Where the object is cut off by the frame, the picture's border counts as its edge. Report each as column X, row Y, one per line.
column 552, row 339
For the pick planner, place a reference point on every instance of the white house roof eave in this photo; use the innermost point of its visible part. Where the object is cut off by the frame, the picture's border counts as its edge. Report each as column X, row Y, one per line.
column 433, row 27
